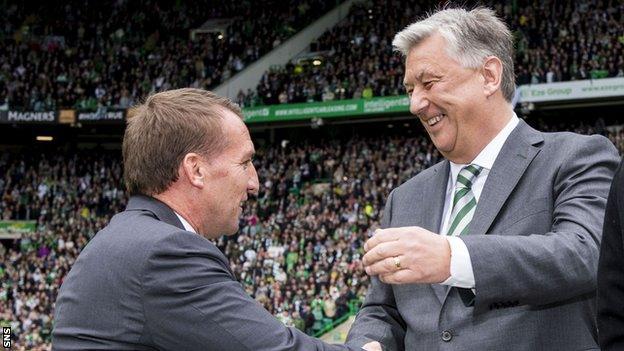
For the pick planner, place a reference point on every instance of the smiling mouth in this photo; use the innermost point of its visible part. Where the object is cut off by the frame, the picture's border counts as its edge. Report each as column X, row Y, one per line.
column 434, row 120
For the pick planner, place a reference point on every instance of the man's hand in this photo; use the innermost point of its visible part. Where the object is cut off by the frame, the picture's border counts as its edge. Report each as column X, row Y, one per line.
column 372, row 346
column 408, row 255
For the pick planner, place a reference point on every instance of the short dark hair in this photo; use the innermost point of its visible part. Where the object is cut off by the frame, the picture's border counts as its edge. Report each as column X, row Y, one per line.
column 166, row 127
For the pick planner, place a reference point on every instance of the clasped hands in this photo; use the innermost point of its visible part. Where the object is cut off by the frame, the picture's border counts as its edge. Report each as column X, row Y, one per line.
column 407, row 255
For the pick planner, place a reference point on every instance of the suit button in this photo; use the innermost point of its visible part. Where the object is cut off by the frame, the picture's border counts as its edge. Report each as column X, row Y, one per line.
column 447, row 336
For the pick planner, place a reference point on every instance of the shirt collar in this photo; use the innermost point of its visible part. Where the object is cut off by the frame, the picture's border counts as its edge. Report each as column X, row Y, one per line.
column 487, row 156
column 185, row 223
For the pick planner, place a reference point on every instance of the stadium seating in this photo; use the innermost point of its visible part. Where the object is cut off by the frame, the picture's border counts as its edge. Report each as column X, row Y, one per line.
column 85, row 55
column 555, row 41
column 116, row 53
column 300, row 242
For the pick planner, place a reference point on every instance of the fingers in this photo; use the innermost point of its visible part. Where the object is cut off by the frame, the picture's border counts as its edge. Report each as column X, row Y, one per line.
column 398, row 277
column 386, row 235
column 407, row 255
column 381, row 236
column 382, row 251
column 387, row 265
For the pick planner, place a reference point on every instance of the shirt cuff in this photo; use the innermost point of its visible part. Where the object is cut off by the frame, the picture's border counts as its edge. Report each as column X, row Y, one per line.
column 462, row 275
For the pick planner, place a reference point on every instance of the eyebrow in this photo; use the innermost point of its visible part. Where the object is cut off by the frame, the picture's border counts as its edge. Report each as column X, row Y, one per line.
column 420, row 76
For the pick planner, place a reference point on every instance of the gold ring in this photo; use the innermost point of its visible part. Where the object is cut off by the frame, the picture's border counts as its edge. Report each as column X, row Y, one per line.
column 397, row 262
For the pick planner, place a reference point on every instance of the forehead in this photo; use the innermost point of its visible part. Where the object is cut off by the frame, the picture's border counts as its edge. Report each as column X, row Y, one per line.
column 236, row 134
column 430, row 56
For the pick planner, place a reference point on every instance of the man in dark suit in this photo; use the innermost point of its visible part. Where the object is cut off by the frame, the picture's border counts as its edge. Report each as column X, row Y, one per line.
column 610, row 294
column 151, row 279
column 496, row 247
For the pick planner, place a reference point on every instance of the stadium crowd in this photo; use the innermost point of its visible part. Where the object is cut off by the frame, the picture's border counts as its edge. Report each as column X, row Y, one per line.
column 112, row 53
column 555, row 41
column 298, row 250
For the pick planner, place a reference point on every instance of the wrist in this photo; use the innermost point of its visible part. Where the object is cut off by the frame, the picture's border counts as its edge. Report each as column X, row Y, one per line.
column 446, row 260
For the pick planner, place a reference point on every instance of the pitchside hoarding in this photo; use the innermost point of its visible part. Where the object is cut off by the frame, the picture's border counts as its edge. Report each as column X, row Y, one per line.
column 101, row 116
column 574, row 90
column 10, row 229
column 327, row 109
column 29, row 117
column 534, row 93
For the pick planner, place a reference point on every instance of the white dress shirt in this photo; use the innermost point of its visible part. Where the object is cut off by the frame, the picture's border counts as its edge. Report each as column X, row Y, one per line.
column 185, row 223
column 462, row 275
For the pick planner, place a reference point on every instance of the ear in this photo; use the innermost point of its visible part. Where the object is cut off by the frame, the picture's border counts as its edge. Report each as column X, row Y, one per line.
column 492, row 74
column 193, row 168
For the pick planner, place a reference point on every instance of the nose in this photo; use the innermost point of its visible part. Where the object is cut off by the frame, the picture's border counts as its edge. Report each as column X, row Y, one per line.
column 418, row 102
column 253, row 186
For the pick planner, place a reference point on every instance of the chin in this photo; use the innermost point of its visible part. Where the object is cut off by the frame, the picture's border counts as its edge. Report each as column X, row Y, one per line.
column 443, row 145
column 232, row 229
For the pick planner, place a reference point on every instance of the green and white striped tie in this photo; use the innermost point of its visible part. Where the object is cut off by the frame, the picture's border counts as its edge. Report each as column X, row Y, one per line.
column 464, row 201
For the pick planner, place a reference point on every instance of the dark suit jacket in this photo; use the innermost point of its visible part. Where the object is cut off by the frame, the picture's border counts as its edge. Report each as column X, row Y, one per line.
column 144, row 283
column 611, row 269
column 533, row 244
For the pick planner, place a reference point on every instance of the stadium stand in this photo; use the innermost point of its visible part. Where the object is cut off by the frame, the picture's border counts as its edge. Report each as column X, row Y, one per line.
column 114, row 53
column 85, row 55
column 555, row 41
column 299, row 247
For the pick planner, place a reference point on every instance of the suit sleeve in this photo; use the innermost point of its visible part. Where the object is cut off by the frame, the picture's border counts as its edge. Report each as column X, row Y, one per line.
column 192, row 302
column 610, row 293
column 379, row 319
column 545, row 268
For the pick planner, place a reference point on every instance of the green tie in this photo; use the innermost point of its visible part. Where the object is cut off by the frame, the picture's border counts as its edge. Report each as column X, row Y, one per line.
column 464, row 201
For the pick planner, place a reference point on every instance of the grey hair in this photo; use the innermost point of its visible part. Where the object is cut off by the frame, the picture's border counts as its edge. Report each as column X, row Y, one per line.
column 472, row 36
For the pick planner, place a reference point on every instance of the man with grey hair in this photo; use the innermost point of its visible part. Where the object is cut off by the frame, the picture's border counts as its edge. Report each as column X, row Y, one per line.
column 496, row 246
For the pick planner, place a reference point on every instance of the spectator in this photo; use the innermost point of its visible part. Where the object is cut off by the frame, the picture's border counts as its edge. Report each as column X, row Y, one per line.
column 116, row 52
column 556, row 41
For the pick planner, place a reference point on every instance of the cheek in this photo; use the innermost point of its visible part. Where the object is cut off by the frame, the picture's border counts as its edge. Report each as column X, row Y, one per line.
column 221, row 173
column 450, row 134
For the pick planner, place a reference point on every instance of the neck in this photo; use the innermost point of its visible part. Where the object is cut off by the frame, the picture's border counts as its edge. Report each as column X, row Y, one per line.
column 179, row 204
column 491, row 123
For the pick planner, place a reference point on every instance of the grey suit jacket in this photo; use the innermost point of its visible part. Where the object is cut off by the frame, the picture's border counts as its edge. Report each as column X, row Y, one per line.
column 144, row 283
column 533, row 245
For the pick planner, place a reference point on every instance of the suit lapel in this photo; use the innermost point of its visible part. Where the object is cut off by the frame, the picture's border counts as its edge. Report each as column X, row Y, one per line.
column 433, row 197
column 512, row 161
column 433, row 201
